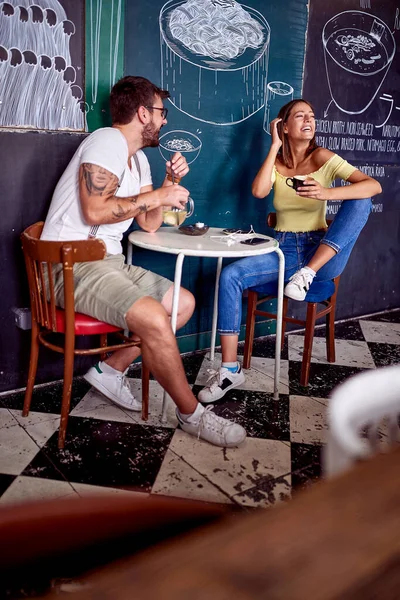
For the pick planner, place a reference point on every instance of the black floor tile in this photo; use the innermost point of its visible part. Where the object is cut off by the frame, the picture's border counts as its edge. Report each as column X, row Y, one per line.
column 43, row 467
column 261, row 415
column 192, row 364
column 349, row 330
column 103, row 453
column 306, row 464
column 135, row 371
column 5, row 482
column 304, row 455
column 384, row 354
column 389, row 317
column 47, row 398
column 323, row 378
column 264, row 347
column 305, row 477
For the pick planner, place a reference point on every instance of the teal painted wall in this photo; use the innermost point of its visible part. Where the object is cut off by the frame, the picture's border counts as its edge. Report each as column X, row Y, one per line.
column 104, row 52
column 206, row 96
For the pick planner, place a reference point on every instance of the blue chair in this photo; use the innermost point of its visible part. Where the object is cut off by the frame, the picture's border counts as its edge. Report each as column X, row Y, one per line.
column 320, row 293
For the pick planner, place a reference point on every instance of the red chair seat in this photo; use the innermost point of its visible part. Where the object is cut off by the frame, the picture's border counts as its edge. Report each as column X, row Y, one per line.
column 84, row 325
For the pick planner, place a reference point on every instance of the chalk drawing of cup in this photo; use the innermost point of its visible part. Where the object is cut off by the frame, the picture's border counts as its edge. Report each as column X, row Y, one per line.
column 358, row 49
column 279, row 93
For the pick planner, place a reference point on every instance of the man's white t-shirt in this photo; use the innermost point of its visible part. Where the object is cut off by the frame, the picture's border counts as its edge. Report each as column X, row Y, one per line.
column 106, row 148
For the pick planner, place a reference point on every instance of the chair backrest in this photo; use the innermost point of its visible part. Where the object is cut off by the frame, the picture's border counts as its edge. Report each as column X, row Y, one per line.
column 365, row 401
column 40, row 256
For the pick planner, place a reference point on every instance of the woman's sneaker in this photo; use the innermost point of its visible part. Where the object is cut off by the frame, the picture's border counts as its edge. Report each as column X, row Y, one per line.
column 219, row 383
column 299, row 284
column 115, row 387
column 206, row 425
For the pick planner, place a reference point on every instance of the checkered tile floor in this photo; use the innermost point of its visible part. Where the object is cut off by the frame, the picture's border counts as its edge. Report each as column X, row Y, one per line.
column 110, row 450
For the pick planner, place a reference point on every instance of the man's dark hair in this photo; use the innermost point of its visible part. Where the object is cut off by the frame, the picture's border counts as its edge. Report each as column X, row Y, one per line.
column 128, row 94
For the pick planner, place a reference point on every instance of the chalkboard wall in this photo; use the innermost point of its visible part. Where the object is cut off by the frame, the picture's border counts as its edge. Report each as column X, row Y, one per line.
column 221, row 105
column 352, row 76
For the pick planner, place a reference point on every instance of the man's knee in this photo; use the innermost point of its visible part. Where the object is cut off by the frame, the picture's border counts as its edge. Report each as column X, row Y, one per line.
column 187, row 302
column 147, row 317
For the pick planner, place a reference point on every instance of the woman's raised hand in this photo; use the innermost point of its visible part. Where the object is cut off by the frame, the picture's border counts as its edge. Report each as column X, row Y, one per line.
column 312, row 189
column 276, row 140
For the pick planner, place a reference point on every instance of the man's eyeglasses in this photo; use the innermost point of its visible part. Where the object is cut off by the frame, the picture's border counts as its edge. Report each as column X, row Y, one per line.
column 164, row 111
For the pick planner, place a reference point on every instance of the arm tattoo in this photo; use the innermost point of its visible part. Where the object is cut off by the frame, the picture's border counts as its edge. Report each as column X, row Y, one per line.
column 120, row 212
column 142, row 208
column 99, row 181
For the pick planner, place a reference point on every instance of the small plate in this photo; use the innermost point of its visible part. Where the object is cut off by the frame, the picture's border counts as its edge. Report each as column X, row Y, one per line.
column 193, row 230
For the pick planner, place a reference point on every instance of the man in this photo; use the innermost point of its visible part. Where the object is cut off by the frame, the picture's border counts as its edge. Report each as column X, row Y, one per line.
column 106, row 185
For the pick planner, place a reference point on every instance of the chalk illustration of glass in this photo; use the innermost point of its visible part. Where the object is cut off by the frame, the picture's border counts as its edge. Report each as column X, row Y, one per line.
column 214, row 59
column 188, row 144
column 358, row 50
column 38, row 86
column 279, row 93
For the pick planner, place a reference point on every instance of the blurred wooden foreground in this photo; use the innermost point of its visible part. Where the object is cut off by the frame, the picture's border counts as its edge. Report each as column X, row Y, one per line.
column 338, row 540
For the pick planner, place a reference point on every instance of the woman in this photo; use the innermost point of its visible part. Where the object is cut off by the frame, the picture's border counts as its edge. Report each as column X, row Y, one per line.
column 310, row 250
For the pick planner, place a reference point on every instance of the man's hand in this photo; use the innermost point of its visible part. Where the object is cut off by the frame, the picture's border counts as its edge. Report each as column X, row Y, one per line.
column 313, row 189
column 177, row 166
column 173, row 195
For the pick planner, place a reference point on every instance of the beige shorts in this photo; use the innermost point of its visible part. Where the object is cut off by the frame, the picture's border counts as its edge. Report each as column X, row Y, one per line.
column 106, row 289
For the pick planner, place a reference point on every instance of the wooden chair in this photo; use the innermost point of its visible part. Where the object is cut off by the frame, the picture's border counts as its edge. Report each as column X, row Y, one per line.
column 47, row 319
column 320, row 292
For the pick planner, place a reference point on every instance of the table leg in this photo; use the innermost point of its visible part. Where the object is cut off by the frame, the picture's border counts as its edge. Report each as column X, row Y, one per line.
column 174, row 315
column 279, row 312
column 129, row 261
column 215, row 310
column 129, row 253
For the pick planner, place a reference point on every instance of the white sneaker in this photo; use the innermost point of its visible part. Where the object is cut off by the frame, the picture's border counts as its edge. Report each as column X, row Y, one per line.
column 219, row 383
column 206, row 425
column 115, row 387
column 299, row 284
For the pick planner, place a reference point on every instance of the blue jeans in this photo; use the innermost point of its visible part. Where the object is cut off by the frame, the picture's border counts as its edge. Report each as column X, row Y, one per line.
column 256, row 271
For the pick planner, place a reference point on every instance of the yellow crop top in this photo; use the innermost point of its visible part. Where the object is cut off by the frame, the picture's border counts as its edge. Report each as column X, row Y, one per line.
column 296, row 214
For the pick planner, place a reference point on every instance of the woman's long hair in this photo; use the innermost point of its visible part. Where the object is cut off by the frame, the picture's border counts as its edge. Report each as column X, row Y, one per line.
column 285, row 152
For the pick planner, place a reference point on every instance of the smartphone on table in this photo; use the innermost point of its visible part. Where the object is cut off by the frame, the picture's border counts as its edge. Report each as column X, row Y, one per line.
column 254, row 241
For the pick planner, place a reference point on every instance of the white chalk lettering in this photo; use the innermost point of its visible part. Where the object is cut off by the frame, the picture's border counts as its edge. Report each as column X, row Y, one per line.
column 391, row 131
column 376, row 145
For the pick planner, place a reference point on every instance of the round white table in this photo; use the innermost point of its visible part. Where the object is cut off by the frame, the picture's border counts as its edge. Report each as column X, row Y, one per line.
column 171, row 241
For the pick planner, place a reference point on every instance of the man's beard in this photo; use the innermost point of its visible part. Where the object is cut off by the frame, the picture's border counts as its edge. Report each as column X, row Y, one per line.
column 150, row 137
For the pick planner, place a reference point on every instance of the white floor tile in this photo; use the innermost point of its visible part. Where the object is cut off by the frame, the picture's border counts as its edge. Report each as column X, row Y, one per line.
column 40, row 426
column 96, row 406
column 348, row 353
column 308, row 420
column 84, row 489
column 24, row 489
column 269, row 493
column 6, row 419
column 177, row 478
column 233, row 470
column 33, row 418
column 17, row 448
column 382, row 333
column 155, row 407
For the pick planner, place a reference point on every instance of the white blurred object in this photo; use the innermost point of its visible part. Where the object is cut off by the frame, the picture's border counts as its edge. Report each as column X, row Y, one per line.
column 364, row 401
